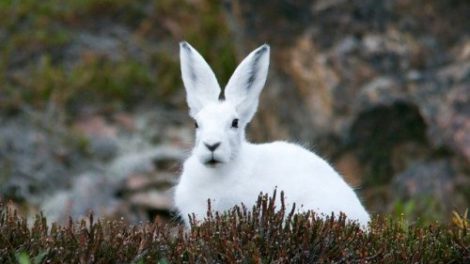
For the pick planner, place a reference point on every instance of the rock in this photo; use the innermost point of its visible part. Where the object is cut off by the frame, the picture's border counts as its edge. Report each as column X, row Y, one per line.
column 453, row 119
column 379, row 91
column 57, row 207
column 346, row 46
column 144, row 161
column 103, row 148
column 387, row 82
column 154, row 200
column 142, row 182
column 350, row 168
column 96, row 164
column 126, row 121
column 95, row 126
column 90, row 193
column 376, row 133
column 429, row 179
column 36, row 156
column 101, row 136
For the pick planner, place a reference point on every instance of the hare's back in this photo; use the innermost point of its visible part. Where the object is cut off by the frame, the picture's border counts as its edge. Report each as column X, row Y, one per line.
column 293, row 161
column 296, row 170
column 307, row 179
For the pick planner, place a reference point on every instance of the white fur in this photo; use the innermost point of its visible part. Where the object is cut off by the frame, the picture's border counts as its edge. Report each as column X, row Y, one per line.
column 244, row 169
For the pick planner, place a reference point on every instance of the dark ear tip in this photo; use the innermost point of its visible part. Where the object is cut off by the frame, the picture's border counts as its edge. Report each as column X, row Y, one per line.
column 185, row 45
column 264, row 48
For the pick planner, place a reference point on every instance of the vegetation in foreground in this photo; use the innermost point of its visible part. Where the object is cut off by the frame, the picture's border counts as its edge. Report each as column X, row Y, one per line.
column 260, row 235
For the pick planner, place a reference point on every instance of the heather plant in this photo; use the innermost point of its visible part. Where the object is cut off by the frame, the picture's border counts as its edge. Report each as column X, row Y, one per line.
column 262, row 234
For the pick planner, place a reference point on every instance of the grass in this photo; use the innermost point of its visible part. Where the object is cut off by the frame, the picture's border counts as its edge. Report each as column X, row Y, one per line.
column 35, row 69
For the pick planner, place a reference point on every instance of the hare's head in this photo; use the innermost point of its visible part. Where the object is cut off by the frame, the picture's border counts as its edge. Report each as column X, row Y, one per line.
column 221, row 115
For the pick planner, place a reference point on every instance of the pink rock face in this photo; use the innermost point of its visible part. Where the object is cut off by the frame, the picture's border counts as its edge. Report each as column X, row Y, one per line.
column 95, row 126
column 454, row 121
column 356, row 82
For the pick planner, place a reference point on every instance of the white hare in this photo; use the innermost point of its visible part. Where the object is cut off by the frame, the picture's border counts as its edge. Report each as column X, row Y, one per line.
column 228, row 170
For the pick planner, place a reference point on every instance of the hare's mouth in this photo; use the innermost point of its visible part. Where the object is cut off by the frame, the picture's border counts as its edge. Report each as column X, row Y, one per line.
column 212, row 162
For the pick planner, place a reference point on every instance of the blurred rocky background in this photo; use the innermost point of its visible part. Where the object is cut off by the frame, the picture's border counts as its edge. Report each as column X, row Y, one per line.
column 93, row 114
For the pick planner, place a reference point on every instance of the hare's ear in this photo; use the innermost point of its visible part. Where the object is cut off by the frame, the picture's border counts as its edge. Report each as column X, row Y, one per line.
column 246, row 83
column 198, row 78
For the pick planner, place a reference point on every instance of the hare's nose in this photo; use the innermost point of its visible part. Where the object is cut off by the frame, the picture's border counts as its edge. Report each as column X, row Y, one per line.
column 212, row 147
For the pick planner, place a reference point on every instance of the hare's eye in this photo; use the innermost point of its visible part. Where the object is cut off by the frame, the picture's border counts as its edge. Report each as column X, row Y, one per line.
column 196, row 125
column 235, row 123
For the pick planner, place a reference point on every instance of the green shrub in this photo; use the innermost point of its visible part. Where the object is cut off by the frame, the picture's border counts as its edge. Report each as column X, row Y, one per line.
column 36, row 70
column 260, row 235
